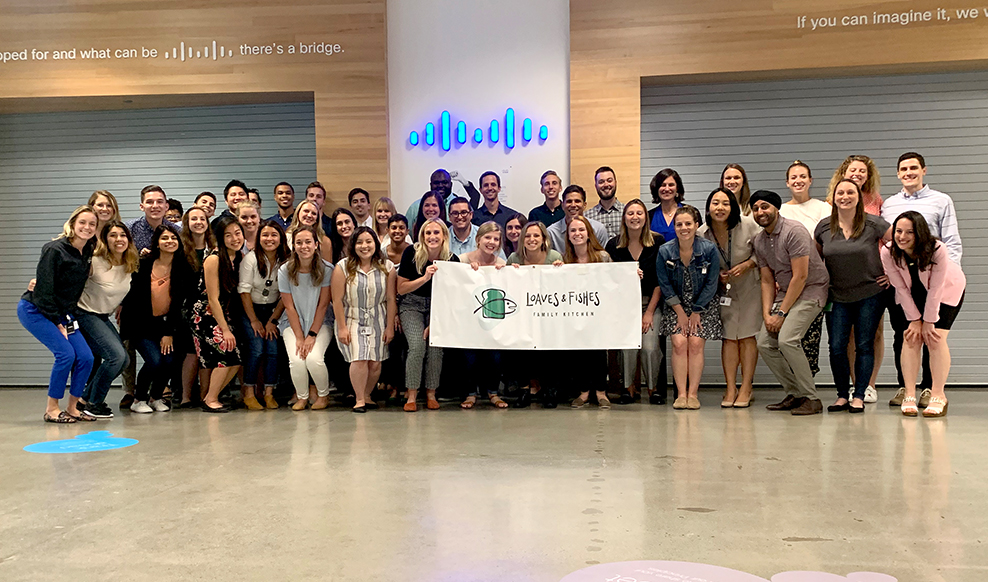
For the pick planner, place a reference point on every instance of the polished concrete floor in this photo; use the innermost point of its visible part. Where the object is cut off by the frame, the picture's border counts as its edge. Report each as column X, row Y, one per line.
column 495, row 495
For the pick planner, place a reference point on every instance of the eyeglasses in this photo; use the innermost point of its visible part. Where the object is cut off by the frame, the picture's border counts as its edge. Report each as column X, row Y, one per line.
column 460, row 213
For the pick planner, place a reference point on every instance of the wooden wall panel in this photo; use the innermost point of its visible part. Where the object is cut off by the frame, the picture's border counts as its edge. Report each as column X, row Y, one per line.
column 615, row 44
column 349, row 89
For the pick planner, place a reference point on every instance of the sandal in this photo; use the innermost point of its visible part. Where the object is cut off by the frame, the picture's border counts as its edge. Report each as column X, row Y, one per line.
column 432, row 404
column 908, row 406
column 468, row 403
column 496, row 401
column 62, row 418
column 936, row 408
column 579, row 402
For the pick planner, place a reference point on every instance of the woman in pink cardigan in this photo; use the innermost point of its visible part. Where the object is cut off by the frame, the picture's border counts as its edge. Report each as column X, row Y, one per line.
column 929, row 288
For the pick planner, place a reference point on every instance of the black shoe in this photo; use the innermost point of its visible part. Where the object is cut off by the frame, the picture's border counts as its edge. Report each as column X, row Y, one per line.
column 657, row 397
column 524, row 400
column 126, row 401
column 855, row 409
column 100, row 410
column 80, row 406
column 788, row 403
column 207, row 408
column 360, row 409
column 807, row 407
column 549, row 399
column 839, row 407
column 371, row 405
column 625, row 398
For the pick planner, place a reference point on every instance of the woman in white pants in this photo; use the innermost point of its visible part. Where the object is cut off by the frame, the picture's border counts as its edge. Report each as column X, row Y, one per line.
column 304, row 285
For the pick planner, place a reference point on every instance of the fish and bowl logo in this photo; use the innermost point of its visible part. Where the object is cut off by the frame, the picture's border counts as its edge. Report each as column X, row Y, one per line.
column 493, row 306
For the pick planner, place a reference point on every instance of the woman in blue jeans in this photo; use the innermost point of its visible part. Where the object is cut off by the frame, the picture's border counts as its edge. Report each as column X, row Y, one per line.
column 48, row 311
column 151, row 315
column 848, row 242
column 258, row 288
column 114, row 260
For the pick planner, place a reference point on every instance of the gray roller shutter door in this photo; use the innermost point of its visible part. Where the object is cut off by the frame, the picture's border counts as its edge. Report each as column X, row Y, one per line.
column 51, row 163
column 764, row 126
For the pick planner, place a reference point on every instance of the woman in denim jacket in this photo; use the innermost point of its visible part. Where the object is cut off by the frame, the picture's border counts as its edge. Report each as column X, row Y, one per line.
column 688, row 269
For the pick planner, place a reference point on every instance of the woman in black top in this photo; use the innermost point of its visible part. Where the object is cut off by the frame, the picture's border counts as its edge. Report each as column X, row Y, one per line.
column 638, row 243
column 47, row 312
column 152, row 316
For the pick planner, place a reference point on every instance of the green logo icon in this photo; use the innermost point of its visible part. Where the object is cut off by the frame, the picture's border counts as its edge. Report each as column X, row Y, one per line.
column 495, row 304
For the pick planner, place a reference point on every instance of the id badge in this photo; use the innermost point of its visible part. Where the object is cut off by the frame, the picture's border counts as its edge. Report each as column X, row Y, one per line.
column 725, row 301
column 365, row 330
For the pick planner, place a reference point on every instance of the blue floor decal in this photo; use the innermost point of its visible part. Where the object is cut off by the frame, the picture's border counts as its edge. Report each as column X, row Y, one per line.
column 97, row 440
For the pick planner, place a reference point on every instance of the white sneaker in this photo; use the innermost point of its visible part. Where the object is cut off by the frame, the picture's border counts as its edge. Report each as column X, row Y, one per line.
column 141, row 407
column 159, row 406
column 871, row 395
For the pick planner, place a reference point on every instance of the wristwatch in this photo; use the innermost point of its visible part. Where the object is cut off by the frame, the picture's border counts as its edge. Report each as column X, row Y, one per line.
column 782, row 313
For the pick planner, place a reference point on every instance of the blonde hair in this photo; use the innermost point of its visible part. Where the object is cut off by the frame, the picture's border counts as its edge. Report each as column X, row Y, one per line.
column 594, row 249
column 872, row 186
column 294, row 262
column 383, row 202
column 113, row 204
column 645, row 238
column 297, row 224
column 245, row 203
column 68, row 229
column 487, row 228
column 546, row 242
column 422, row 253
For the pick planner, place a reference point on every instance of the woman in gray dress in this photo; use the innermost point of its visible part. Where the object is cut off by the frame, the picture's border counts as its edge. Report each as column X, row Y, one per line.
column 740, row 292
column 363, row 290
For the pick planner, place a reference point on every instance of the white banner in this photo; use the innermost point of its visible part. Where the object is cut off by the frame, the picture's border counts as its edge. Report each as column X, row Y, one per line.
column 570, row 307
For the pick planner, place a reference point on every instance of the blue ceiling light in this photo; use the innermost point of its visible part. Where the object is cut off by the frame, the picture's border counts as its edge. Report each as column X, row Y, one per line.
column 430, row 134
column 445, row 131
column 462, row 131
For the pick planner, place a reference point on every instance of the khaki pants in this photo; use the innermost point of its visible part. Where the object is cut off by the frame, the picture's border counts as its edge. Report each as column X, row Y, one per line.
column 784, row 354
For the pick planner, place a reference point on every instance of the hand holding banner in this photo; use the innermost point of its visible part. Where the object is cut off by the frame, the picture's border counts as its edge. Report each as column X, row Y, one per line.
column 570, row 307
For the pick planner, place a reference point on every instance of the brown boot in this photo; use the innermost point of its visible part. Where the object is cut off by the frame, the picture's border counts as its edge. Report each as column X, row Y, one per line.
column 270, row 402
column 788, row 403
column 808, row 406
column 252, row 404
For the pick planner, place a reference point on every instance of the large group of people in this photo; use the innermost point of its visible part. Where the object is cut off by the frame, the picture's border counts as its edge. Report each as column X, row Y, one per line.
column 312, row 297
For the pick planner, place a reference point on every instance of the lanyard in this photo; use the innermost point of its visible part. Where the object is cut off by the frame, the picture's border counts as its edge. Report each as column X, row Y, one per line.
column 728, row 255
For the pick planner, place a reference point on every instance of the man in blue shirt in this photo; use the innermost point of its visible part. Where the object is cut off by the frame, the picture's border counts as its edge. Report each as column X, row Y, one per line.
column 154, row 203
column 574, row 203
column 284, row 197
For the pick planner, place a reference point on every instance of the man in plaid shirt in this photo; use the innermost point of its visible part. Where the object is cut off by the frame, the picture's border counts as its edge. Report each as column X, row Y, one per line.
column 610, row 210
